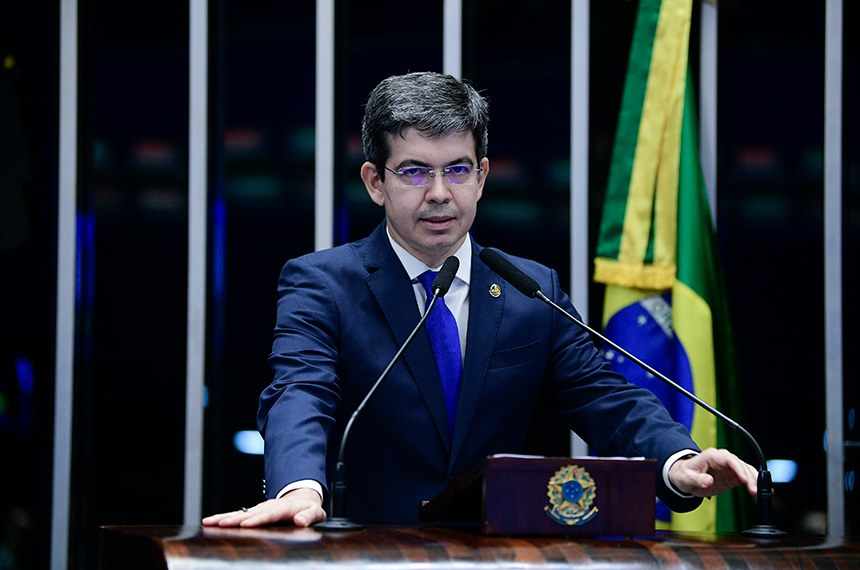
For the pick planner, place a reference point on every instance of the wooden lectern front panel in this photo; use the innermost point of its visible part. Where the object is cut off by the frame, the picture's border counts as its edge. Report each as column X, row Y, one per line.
column 196, row 548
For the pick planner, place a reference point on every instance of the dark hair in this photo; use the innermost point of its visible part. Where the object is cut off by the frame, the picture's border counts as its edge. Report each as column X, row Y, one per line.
column 433, row 103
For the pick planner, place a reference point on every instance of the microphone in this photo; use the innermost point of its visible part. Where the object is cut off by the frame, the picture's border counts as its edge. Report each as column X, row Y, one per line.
column 530, row 288
column 338, row 522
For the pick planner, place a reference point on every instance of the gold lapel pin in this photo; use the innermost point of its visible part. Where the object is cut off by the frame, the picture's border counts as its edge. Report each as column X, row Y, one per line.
column 495, row 290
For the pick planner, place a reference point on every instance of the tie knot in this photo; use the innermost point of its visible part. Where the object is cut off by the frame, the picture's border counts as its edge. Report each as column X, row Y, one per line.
column 427, row 279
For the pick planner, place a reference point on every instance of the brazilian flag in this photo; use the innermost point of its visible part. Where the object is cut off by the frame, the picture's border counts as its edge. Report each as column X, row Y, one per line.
column 665, row 299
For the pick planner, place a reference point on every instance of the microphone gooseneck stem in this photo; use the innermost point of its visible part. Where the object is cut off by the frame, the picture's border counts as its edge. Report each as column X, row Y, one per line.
column 764, row 496
column 530, row 288
column 337, row 522
column 672, row 384
column 382, row 376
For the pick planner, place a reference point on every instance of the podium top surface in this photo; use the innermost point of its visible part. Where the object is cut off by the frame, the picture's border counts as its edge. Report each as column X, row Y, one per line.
column 383, row 547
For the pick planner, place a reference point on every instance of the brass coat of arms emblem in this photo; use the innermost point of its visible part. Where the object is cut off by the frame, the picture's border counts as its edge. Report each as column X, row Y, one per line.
column 571, row 492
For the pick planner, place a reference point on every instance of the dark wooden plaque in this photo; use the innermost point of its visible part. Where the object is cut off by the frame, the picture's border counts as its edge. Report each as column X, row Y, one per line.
column 551, row 496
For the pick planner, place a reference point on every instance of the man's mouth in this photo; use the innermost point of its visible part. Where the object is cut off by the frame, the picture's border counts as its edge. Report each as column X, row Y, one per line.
column 437, row 220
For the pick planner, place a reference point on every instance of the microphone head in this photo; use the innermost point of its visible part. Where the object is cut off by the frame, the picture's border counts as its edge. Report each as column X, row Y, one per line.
column 446, row 275
column 509, row 272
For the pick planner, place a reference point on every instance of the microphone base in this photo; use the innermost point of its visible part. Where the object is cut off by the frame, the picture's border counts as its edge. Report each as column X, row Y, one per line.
column 338, row 524
column 763, row 531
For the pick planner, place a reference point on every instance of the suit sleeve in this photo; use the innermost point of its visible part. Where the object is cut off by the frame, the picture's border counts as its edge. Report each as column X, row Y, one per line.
column 297, row 410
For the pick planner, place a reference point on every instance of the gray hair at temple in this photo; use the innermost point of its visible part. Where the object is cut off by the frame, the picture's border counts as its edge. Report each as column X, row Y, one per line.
column 433, row 103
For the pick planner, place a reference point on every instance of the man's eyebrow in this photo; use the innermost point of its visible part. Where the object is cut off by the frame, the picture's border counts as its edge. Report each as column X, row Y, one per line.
column 411, row 162
column 461, row 160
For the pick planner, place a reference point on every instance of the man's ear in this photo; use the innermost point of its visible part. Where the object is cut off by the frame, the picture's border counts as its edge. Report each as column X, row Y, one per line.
column 372, row 182
column 482, row 176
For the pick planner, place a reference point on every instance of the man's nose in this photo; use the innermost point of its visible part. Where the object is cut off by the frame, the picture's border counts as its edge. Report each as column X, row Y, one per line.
column 438, row 190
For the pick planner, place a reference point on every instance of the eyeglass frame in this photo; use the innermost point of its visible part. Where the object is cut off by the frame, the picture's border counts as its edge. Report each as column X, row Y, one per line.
column 432, row 172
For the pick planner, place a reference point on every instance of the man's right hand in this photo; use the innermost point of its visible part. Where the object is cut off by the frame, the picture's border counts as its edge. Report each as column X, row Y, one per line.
column 302, row 507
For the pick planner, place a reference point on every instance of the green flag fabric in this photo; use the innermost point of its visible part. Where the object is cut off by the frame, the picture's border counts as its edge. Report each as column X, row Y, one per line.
column 665, row 300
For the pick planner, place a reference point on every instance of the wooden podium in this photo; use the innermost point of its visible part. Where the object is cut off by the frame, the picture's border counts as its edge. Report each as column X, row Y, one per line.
column 526, row 495
column 431, row 548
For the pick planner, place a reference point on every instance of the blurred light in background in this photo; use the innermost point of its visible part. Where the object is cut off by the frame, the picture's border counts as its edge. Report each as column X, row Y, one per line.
column 249, row 442
column 782, row 470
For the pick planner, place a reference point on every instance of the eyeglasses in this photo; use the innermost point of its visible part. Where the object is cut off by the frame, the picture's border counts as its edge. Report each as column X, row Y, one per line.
column 420, row 176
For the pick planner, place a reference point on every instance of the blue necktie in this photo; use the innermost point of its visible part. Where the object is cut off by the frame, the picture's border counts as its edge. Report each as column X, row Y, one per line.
column 445, row 341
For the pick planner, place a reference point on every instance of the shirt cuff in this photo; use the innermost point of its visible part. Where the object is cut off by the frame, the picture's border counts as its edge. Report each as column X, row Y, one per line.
column 683, row 454
column 302, row 484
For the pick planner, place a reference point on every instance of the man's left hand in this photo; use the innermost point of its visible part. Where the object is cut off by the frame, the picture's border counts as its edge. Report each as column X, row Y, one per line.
column 711, row 472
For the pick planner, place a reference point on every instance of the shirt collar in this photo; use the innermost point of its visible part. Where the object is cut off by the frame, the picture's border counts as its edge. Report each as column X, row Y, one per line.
column 415, row 267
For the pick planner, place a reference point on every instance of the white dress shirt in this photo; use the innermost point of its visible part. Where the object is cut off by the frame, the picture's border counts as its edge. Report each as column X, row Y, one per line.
column 457, row 298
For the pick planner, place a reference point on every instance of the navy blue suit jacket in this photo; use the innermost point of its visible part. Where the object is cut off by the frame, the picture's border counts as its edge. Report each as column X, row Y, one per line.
column 344, row 312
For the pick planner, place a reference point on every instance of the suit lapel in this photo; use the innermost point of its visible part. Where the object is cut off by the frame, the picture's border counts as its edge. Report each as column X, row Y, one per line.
column 389, row 283
column 485, row 312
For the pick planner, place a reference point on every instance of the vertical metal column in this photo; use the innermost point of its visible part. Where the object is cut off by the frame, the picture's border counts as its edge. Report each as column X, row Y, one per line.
column 579, row 101
column 324, row 143
column 580, row 16
column 197, row 213
column 708, row 101
column 452, row 38
column 833, row 267
column 66, row 248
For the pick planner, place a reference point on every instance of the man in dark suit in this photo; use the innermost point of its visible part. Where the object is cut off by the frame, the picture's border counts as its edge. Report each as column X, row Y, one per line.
column 343, row 313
